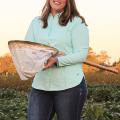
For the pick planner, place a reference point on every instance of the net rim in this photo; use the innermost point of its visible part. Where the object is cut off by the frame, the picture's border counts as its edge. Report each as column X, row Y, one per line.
column 31, row 43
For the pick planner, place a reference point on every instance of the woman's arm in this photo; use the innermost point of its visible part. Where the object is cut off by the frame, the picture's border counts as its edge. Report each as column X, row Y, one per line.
column 80, row 42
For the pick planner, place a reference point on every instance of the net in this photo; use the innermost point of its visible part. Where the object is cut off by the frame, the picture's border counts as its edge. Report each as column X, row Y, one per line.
column 29, row 57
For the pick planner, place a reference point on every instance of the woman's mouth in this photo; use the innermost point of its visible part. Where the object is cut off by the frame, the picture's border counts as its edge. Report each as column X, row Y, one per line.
column 56, row 2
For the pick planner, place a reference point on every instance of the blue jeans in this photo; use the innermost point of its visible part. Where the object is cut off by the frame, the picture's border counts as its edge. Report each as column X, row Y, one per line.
column 66, row 103
column 83, row 96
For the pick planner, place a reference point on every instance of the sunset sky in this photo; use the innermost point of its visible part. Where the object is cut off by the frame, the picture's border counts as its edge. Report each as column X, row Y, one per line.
column 102, row 17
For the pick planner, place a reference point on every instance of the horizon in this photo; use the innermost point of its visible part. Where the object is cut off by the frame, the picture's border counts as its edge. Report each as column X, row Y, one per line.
column 102, row 19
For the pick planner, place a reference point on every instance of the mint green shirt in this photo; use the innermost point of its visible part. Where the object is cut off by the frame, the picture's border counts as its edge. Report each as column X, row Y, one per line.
column 73, row 40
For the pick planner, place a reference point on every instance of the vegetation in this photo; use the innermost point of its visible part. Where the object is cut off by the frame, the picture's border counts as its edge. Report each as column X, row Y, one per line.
column 103, row 90
column 102, row 101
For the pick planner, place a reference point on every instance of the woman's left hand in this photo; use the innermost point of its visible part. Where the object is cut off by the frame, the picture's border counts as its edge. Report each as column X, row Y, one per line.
column 50, row 62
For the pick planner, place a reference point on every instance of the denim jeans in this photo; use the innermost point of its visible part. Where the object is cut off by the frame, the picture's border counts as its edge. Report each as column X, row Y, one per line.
column 66, row 103
column 83, row 96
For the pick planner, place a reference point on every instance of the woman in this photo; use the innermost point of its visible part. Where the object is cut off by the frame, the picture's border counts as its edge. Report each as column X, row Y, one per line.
column 59, row 84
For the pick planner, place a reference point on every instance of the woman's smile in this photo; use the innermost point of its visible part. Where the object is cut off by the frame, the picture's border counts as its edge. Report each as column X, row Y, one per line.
column 56, row 2
column 57, row 5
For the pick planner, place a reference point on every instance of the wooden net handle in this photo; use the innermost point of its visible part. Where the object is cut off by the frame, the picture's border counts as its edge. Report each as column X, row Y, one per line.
column 110, row 69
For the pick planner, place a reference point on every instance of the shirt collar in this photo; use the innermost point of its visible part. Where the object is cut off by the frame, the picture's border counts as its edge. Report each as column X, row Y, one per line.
column 56, row 15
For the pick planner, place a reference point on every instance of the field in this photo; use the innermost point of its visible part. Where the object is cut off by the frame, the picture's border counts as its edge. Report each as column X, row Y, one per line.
column 103, row 100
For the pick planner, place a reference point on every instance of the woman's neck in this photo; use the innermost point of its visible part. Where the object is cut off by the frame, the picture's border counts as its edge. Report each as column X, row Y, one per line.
column 54, row 12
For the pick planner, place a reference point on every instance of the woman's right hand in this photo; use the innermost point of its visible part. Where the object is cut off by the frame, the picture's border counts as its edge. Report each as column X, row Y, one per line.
column 51, row 61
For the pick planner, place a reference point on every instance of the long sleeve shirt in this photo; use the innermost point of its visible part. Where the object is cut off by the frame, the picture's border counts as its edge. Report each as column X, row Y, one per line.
column 72, row 39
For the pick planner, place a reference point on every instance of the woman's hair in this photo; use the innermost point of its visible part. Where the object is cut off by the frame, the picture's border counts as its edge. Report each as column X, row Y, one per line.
column 70, row 11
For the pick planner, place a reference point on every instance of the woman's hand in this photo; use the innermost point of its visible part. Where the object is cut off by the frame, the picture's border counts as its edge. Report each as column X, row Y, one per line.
column 51, row 61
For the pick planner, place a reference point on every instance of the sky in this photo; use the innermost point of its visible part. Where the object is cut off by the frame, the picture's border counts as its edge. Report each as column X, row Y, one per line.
column 102, row 17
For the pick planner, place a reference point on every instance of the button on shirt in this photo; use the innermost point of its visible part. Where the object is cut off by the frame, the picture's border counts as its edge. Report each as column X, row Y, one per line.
column 72, row 39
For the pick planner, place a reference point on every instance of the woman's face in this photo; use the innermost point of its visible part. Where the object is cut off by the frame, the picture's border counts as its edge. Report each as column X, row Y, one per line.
column 58, row 5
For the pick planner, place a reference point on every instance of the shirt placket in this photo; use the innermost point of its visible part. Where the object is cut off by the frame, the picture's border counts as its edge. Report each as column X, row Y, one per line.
column 53, row 23
column 51, row 41
column 51, row 30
